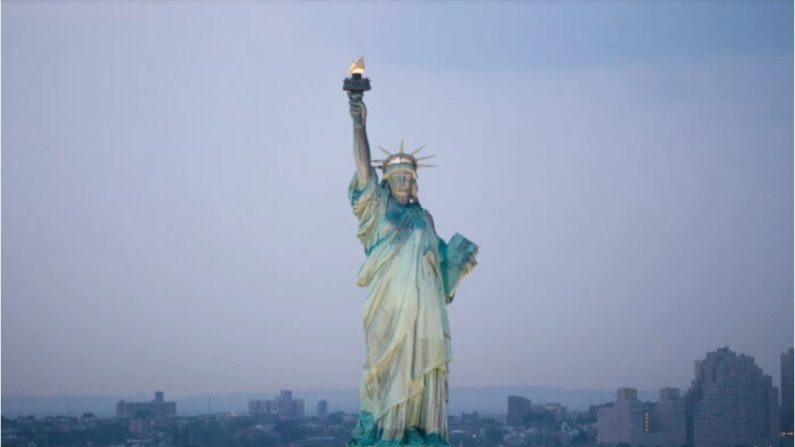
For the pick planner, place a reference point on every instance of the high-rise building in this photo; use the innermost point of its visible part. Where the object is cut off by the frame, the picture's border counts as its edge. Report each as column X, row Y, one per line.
column 283, row 405
column 518, row 409
column 616, row 424
column 786, row 393
column 630, row 421
column 322, row 408
column 670, row 416
column 732, row 402
column 155, row 409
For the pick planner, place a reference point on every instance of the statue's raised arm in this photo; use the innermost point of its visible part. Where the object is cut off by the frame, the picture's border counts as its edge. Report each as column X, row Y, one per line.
column 361, row 147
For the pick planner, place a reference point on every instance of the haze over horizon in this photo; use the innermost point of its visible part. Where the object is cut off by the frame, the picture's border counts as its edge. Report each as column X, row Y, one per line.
column 174, row 177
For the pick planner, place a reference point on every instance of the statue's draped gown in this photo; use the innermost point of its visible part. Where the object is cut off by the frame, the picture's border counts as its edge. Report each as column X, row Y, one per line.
column 403, row 393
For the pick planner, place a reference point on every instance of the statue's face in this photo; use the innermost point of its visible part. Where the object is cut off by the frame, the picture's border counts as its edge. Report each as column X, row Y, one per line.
column 401, row 184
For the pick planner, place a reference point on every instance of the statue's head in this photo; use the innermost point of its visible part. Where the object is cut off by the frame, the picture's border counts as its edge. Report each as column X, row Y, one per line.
column 400, row 172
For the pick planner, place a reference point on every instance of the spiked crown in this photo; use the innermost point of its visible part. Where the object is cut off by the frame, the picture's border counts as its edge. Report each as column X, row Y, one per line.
column 402, row 161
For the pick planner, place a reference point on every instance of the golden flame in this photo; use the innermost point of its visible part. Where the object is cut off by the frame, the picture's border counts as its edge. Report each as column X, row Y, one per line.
column 357, row 67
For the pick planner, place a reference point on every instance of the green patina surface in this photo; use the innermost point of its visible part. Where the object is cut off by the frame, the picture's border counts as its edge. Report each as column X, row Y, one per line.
column 367, row 434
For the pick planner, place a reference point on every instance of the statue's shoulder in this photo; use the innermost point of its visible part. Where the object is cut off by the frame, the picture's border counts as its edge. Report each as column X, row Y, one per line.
column 428, row 216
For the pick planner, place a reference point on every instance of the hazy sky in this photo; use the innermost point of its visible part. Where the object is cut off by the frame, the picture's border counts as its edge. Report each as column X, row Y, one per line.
column 174, row 176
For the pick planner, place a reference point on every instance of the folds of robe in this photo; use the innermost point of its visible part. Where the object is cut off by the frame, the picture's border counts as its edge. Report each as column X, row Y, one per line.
column 403, row 389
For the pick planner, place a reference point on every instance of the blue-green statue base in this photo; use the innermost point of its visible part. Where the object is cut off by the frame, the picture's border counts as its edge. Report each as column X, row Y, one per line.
column 367, row 434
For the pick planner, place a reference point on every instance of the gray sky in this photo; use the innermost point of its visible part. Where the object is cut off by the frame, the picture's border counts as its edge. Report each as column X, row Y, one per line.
column 174, row 176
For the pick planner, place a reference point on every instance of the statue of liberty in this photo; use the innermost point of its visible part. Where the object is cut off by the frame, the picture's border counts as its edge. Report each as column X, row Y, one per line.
column 410, row 275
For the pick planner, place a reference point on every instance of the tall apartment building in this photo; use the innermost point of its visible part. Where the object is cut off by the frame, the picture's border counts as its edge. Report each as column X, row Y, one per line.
column 731, row 402
column 518, row 409
column 618, row 422
column 630, row 421
column 786, row 393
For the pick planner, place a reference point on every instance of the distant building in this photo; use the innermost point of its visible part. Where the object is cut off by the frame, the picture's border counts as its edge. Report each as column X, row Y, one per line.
column 518, row 410
column 670, row 417
column 786, row 393
column 616, row 423
column 155, row 409
column 630, row 421
column 732, row 402
column 283, row 405
column 470, row 418
column 140, row 427
column 261, row 406
column 593, row 410
column 555, row 410
column 322, row 408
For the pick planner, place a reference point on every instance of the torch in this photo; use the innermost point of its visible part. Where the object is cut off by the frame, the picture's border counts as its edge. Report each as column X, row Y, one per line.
column 356, row 83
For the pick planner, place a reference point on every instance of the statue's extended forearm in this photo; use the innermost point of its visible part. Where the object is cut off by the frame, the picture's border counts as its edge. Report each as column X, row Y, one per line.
column 361, row 153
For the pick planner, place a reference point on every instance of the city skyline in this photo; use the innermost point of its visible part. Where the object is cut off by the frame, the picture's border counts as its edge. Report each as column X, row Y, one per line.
column 730, row 402
column 174, row 189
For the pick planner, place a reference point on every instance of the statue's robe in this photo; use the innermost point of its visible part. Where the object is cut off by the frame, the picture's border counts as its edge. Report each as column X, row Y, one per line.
column 403, row 393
